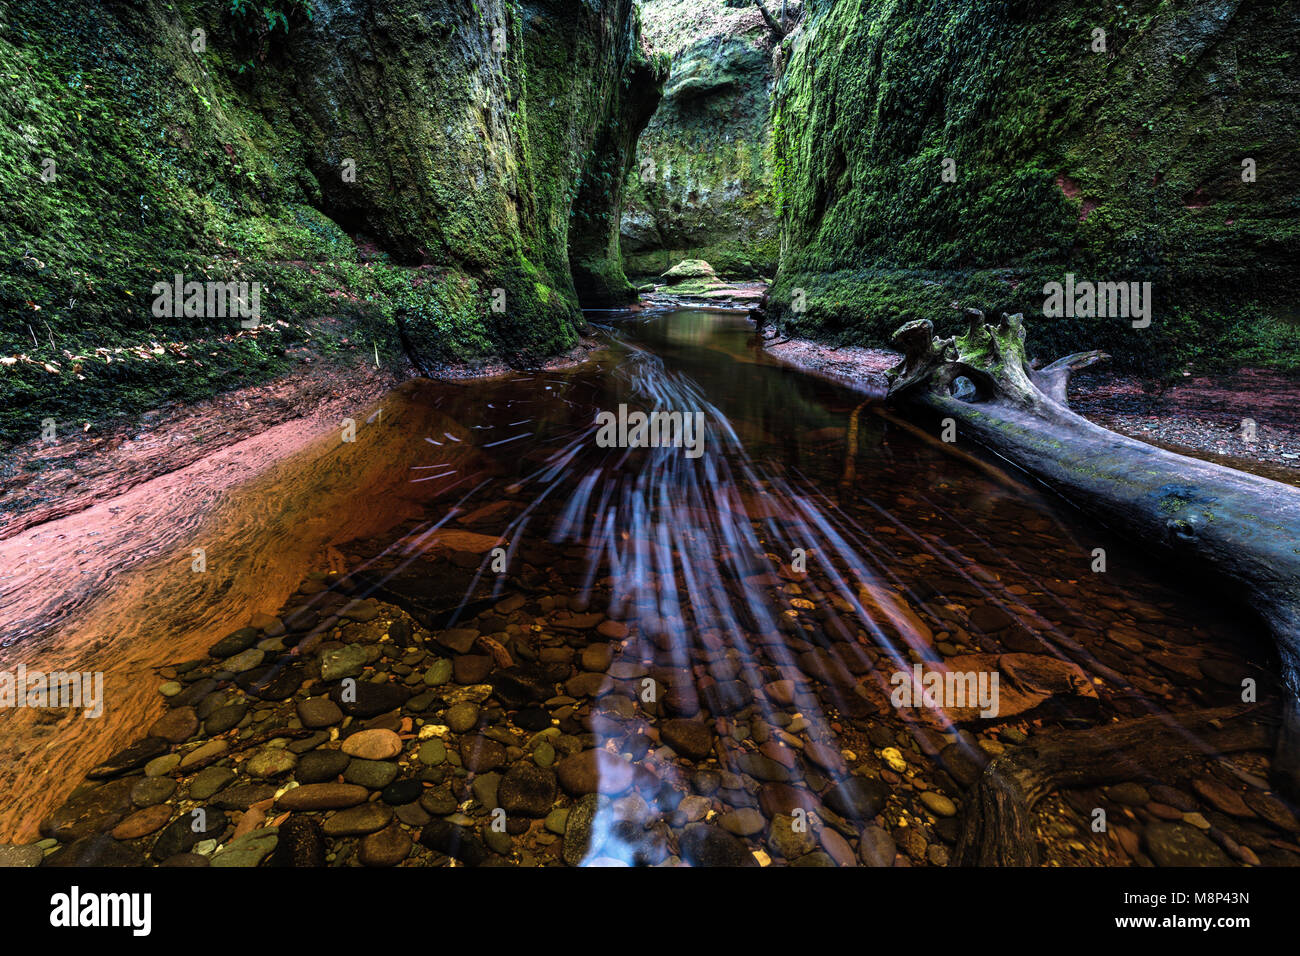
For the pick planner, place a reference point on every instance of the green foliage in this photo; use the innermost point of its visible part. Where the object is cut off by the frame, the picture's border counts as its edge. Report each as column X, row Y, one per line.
column 258, row 20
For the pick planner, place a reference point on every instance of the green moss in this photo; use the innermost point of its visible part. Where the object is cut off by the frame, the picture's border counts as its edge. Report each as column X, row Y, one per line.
column 1120, row 166
column 170, row 160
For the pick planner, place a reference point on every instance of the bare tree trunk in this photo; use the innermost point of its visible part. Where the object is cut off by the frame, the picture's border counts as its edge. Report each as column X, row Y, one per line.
column 1241, row 528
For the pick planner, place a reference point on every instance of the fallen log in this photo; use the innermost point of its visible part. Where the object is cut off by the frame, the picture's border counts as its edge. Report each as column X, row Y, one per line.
column 997, row 824
column 1241, row 528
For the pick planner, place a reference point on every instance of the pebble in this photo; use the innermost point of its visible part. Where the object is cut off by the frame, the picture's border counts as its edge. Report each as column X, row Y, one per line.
column 480, row 754
column 789, row 838
column 462, row 717
column 357, row 821
column 432, row 752
column 1221, row 797
column 528, row 790
column 594, row 771
column 244, row 660
column 857, row 798
column 317, row 712
column 346, row 661
column 894, row 758
column 690, row 738
column 705, row 845
column 439, row 803
column 438, row 673
column 225, row 718
column 143, row 822
column 248, row 850
column 150, row 791
column 208, row 781
column 373, row 774
column 21, row 855
column 373, row 745
column 877, row 847
column 320, row 766
column 743, row 822
column 389, row 847
column 271, row 762
column 211, row 749
column 322, row 796
column 938, row 804
column 1128, row 794
column 176, row 726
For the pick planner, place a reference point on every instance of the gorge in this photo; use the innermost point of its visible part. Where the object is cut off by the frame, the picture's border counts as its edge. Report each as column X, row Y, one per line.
column 584, row 443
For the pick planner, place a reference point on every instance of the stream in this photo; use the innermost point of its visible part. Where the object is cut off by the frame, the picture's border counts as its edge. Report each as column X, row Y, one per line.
column 723, row 628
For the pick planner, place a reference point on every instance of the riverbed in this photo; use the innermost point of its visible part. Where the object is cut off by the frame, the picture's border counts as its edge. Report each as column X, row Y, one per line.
column 732, row 623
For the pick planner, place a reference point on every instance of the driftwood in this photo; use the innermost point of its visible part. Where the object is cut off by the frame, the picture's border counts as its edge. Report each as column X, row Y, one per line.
column 1240, row 528
column 997, row 823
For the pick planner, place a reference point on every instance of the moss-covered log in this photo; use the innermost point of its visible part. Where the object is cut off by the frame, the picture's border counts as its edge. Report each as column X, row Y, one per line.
column 1241, row 528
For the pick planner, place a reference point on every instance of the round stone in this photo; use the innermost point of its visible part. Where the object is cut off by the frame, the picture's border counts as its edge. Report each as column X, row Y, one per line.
column 149, row 791
column 320, row 766
column 389, row 847
column 224, row 718
column 209, row 780
column 481, row 754
column 1129, row 794
column 161, row 766
column 527, row 789
column 938, row 804
column 432, row 752
column 143, row 822
column 176, row 726
column 357, row 821
column 375, row 774
column 744, row 822
column 271, row 762
column 244, row 660
column 690, row 738
column 857, row 798
column 319, row 712
column 594, row 771
column 462, row 717
column 401, row 792
column 1176, row 844
column 373, row 745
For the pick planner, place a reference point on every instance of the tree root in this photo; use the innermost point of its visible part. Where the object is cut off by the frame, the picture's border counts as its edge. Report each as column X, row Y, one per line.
column 997, row 825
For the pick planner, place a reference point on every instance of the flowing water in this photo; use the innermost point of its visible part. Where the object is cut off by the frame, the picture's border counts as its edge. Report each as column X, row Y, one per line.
column 748, row 601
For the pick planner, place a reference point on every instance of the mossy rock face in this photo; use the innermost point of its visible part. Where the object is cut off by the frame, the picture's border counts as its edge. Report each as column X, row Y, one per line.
column 927, row 153
column 701, row 183
column 457, row 163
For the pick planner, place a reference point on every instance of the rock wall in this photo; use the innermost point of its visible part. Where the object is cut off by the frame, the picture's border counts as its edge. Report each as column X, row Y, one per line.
column 1115, row 164
column 418, row 158
column 703, row 176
